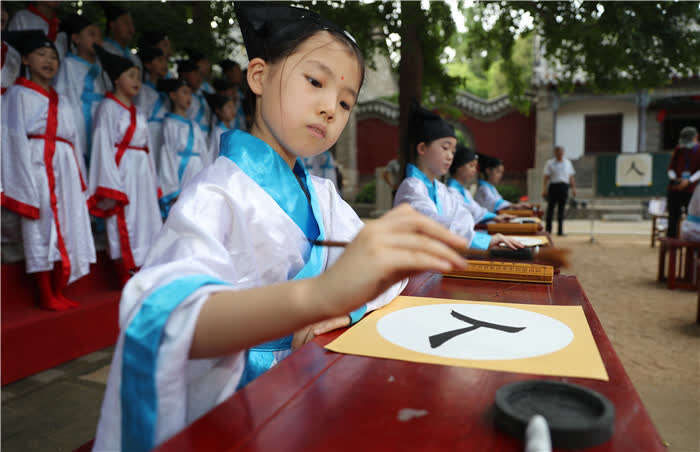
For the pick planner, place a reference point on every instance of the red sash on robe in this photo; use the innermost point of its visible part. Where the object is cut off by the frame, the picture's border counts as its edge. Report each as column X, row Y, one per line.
column 50, row 139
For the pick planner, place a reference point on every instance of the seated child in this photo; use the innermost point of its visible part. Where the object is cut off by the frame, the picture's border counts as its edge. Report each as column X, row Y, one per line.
column 432, row 144
column 236, row 265
column 487, row 194
column 462, row 173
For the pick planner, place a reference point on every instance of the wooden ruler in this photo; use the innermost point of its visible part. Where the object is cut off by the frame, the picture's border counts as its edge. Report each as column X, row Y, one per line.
column 506, row 271
column 512, row 228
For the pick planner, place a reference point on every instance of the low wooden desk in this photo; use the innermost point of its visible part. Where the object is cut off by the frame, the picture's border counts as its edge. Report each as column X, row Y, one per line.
column 322, row 401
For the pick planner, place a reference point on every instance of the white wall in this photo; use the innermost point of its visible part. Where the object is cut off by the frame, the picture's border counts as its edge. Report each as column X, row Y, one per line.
column 570, row 123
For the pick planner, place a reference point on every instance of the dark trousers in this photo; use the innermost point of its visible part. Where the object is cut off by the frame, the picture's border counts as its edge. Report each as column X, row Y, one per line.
column 677, row 201
column 557, row 196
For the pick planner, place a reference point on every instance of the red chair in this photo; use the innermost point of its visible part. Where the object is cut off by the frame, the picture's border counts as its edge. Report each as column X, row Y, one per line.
column 682, row 255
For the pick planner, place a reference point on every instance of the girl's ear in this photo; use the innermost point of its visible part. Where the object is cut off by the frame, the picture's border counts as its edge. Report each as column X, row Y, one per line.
column 257, row 70
column 421, row 148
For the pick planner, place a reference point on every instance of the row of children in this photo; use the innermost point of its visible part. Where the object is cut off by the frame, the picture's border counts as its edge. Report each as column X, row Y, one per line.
column 433, row 152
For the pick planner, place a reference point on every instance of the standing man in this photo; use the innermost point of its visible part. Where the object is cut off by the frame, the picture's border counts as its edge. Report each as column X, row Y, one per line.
column 559, row 174
column 684, row 173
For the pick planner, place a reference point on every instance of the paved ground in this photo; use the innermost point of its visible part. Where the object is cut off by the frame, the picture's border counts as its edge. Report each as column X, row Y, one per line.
column 651, row 328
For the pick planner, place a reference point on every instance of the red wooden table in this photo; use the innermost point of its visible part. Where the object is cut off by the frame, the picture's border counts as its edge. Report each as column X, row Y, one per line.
column 320, row 400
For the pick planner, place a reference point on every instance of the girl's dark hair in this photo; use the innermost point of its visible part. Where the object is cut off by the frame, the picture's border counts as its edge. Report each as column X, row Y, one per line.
column 280, row 49
column 488, row 162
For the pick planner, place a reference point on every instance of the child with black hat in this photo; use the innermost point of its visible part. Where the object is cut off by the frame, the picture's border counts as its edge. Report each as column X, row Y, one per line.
column 80, row 76
column 463, row 173
column 224, row 109
column 41, row 175
column 184, row 151
column 152, row 102
column 123, row 182
column 221, row 271
column 199, row 109
column 431, row 146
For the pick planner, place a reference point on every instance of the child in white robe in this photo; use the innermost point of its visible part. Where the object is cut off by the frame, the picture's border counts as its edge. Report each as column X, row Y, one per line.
column 153, row 103
column 10, row 63
column 123, row 183
column 234, row 265
column 462, row 173
column 690, row 227
column 487, row 194
column 199, row 109
column 80, row 78
column 41, row 176
column 224, row 109
column 432, row 144
column 184, row 151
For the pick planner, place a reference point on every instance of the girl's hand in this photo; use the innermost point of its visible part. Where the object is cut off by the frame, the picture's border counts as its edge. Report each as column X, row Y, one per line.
column 310, row 332
column 401, row 243
column 508, row 242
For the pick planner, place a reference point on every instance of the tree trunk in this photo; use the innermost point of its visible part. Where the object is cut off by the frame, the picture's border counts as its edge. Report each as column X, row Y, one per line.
column 410, row 71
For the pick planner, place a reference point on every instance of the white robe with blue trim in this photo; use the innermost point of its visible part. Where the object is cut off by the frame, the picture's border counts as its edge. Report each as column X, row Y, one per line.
column 154, row 105
column 453, row 214
column 200, row 112
column 226, row 226
column 84, row 90
column 488, row 196
column 178, row 162
column 215, row 138
column 479, row 213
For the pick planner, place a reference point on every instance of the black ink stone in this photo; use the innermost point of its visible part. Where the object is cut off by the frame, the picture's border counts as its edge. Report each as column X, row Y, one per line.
column 578, row 417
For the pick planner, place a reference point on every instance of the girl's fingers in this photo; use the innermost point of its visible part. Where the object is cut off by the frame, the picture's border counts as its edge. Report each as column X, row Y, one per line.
column 330, row 325
column 414, row 222
column 426, row 244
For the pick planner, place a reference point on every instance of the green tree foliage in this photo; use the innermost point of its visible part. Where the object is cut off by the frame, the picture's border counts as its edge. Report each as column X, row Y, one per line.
column 619, row 46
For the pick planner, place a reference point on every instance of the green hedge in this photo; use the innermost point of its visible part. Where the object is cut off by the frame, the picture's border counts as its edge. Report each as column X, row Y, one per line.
column 510, row 193
column 368, row 193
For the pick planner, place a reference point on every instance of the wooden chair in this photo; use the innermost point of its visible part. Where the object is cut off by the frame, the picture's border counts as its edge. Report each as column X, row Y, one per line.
column 682, row 257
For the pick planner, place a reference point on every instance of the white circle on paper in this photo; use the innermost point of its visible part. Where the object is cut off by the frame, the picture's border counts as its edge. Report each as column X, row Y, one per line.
column 411, row 328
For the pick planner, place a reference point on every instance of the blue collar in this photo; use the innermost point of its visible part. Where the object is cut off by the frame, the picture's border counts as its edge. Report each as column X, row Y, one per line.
column 488, row 185
column 222, row 126
column 178, row 118
column 267, row 168
column 125, row 51
column 81, row 59
column 454, row 183
column 413, row 171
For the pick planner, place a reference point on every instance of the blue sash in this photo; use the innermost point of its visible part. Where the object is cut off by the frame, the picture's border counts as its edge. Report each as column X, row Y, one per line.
column 413, row 171
column 262, row 164
column 200, row 113
column 87, row 97
column 126, row 53
column 160, row 102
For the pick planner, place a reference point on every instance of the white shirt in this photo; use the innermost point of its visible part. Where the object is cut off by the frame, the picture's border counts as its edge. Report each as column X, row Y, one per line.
column 559, row 171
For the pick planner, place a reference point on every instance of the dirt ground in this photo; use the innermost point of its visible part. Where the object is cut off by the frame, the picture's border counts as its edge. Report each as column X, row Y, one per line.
column 652, row 329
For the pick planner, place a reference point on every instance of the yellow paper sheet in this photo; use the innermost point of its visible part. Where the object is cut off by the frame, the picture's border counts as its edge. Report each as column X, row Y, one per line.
column 530, row 240
column 552, row 340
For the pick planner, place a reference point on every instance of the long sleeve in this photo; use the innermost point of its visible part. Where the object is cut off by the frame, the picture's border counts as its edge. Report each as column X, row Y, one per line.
column 19, row 191
column 106, row 187
column 168, row 165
